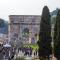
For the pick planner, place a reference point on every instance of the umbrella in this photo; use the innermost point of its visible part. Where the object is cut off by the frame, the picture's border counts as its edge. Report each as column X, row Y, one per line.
column 7, row 45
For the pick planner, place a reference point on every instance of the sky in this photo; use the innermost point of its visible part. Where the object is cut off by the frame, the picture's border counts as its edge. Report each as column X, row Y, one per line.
column 25, row 7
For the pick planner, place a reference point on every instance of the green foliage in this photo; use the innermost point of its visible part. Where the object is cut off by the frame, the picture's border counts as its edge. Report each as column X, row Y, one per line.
column 53, row 19
column 3, row 26
column 45, row 33
column 57, row 36
column 25, row 32
column 33, row 46
column 1, row 23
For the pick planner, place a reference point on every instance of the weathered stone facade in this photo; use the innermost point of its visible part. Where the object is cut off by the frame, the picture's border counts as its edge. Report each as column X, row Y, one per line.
column 24, row 28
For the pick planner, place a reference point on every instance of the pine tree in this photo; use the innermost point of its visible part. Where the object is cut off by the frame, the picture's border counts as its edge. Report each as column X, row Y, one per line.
column 45, row 34
column 57, row 36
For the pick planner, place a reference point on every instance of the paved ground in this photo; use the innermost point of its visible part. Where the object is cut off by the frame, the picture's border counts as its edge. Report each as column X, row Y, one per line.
column 30, row 57
column 53, row 58
column 20, row 54
column 26, row 57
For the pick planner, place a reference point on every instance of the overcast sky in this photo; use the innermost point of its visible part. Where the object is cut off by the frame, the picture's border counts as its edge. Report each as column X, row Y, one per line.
column 25, row 7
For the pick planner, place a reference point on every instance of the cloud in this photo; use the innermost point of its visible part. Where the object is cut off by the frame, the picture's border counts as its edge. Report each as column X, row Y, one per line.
column 25, row 7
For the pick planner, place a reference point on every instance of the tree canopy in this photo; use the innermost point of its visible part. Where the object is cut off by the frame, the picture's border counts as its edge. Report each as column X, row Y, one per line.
column 3, row 26
column 45, row 33
column 57, row 36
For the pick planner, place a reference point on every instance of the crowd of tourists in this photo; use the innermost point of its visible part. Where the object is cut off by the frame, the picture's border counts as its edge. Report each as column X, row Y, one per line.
column 28, row 51
column 9, row 53
column 6, row 53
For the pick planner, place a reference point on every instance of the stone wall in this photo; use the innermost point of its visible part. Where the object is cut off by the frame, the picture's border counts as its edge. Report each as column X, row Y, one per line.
column 18, row 23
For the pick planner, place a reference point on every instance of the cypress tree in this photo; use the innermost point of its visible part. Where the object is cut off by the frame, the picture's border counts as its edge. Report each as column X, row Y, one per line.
column 57, row 36
column 45, row 34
